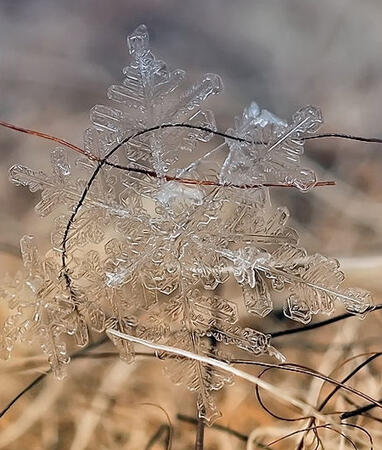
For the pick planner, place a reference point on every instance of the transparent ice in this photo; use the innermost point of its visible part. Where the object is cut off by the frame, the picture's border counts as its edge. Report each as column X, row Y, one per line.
column 146, row 256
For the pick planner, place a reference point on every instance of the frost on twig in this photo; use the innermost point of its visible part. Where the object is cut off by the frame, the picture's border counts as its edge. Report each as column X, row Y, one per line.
column 145, row 256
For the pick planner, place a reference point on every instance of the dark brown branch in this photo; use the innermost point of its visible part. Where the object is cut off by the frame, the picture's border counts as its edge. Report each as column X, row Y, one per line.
column 43, row 375
column 83, row 353
column 24, row 391
column 152, row 173
column 348, row 377
column 337, row 388
column 345, row 136
column 199, row 440
column 164, row 428
column 49, row 137
column 323, row 323
column 215, row 426
column 297, row 368
column 358, row 411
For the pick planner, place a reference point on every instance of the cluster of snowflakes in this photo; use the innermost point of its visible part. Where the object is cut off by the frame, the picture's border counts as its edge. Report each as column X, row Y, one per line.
column 146, row 256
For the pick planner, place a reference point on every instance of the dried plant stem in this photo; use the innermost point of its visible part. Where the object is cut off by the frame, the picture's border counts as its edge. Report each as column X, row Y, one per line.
column 289, row 367
column 358, row 411
column 199, row 442
column 220, row 364
column 164, row 428
column 348, row 377
column 24, row 391
column 85, row 353
column 296, row 368
column 40, row 134
column 323, row 323
column 49, row 137
column 313, row 428
column 275, row 391
column 43, row 375
column 152, row 173
column 350, row 137
column 31, row 414
column 192, row 420
column 336, row 388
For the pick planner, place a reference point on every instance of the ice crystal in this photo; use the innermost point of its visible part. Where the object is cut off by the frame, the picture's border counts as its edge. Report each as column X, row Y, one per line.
column 145, row 255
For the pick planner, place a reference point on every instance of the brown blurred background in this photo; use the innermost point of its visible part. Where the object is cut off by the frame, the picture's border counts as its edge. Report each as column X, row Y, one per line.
column 57, row 59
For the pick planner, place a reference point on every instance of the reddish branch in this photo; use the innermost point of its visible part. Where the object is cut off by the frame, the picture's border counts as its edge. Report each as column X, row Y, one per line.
column 152, row 173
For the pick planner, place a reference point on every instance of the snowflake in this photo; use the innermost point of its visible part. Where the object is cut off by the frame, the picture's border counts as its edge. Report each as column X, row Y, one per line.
column 146, row 253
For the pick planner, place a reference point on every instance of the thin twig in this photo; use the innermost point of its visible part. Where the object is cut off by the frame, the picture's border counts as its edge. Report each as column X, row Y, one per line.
column 43, row 375
column 323, row 323
column 48, row 137
column 344, row 136
column 24, row 391
column 152, row 173
column 199, row 441
column 337, row 388
column 348, row 377
column 274, row 390
column 215, row 426
column 358, row 411
column 157, row 435
column 315, row 427
column 296, row 368
column 83, row 353
column 169, row 423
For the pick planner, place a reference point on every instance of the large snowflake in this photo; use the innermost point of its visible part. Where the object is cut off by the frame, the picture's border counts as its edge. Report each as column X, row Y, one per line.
column 146, row 253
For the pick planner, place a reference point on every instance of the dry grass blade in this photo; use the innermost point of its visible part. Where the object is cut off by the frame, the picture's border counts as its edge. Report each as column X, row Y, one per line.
column 276, row 392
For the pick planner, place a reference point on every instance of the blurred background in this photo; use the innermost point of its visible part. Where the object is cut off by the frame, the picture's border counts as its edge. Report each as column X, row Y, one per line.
column 57, row 59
